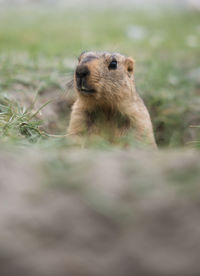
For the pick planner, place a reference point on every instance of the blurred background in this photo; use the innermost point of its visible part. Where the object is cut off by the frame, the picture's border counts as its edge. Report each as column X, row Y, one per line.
column 40, row 42
column 103, row 210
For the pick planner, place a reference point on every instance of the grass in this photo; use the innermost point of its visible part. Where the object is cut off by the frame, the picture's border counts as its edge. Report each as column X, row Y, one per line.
column 18, row 123
column 38, row 52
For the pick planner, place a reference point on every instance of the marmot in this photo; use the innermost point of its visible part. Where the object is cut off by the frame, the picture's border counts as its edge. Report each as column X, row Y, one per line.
column 107, row 102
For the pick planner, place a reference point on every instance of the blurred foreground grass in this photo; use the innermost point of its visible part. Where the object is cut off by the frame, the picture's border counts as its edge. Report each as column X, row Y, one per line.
column 38, row 52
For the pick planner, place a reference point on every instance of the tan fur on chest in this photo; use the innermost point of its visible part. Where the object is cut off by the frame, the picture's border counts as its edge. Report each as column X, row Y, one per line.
column 107, row 123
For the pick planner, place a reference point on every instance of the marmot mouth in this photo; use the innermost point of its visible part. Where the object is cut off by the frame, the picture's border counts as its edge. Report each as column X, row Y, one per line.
column 89, row 91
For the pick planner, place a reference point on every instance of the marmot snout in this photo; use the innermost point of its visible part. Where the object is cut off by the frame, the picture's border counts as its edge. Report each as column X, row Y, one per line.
column 107, row 98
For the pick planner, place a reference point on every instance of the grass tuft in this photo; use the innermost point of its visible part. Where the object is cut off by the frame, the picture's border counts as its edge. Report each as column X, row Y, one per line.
column 17, row 122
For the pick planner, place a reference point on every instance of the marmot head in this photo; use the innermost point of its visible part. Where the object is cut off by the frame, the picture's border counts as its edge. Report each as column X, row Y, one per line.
column 103, row 75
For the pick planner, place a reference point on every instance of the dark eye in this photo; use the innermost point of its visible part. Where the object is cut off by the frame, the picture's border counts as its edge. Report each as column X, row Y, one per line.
column 112, row 65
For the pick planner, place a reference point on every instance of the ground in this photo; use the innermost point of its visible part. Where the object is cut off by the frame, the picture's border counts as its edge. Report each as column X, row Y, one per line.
column 82, row 210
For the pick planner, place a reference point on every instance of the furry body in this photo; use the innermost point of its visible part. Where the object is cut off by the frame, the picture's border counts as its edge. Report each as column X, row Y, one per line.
column 107, row 101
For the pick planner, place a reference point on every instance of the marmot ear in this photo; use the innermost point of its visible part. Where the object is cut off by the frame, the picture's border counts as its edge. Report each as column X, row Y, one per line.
column 129, row 63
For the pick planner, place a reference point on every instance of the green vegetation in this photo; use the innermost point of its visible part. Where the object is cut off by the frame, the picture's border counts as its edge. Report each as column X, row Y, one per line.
column 37, row 53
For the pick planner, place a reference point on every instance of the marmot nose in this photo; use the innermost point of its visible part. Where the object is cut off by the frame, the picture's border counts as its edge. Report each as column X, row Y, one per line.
column 82, row 71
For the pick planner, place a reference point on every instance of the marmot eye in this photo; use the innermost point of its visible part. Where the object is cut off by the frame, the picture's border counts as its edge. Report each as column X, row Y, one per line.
column 112, row 65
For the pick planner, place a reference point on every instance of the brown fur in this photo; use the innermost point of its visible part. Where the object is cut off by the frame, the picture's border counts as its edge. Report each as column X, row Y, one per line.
column 114, row 107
